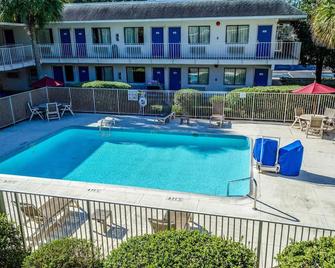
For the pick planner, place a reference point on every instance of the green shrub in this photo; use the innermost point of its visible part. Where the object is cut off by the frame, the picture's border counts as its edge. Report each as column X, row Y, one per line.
column 106, row 84
column 12, row 251
column 185, row 101
column 66, row 252
column 309, row 254
column 268, row 89
column 180, row 249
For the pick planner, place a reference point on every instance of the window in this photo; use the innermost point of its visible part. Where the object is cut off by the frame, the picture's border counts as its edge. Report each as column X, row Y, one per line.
column 198, row 76
column 198, row 34
column 101, row 35
column 13, row 75
column 45, row 36
column 133, row 35
column 104, row 73
column 136, row 74
column 69, row 73
column 237, row 34
column 234, row 76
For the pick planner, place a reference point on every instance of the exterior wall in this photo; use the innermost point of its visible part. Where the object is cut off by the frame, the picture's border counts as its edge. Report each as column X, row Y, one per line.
column 217, row 35
column 20, row 34
column 216, row 75
column 21, row 81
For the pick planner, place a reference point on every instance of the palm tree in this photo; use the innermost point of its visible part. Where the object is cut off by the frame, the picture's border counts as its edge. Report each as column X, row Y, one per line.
column 323, row 23
column 36, row 14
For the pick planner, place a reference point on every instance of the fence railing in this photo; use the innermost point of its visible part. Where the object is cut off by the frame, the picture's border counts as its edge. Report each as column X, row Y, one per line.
column 266, row 50
column 16, row 56
column 108, row 224
column 277, row 107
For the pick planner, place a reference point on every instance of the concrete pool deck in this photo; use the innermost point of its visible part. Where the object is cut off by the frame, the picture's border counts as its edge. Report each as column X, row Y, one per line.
column 307, row 199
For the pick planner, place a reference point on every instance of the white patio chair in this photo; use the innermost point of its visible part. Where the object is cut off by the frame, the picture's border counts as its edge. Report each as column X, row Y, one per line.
column 315, row 126
column 330, row 117
column 297, row 113
column 34, row 111
column 52, row 111
column 67, row 107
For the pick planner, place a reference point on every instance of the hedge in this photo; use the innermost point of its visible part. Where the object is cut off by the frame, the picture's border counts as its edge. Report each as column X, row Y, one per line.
column 66, row 252
column 180, row 249
column 268, row 89
column 106, row 84
column 185, row 101
column 12, row 251
column 308, row 254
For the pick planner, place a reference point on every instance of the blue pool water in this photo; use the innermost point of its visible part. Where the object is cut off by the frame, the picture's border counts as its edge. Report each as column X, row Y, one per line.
column 179, row 162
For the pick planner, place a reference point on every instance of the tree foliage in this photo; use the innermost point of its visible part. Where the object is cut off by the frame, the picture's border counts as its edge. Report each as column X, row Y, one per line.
column 311, row 51
column 323, row 23
column 12, row 251
column 35, row 13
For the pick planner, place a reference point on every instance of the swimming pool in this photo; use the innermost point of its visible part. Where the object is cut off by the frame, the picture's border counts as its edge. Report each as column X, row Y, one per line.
column 202, row 164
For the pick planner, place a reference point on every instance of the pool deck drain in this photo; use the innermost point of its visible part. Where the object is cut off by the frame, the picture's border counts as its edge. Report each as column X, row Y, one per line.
column 306, row 199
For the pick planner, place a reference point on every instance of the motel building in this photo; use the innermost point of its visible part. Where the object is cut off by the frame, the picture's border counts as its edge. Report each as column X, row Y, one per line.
column 207, row 45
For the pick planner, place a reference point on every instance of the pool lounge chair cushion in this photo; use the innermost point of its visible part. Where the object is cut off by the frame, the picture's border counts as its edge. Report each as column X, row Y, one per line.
column 265, row 151
column 290, row 158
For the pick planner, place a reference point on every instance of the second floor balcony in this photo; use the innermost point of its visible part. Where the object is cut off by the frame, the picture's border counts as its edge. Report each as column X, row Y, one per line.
column 270, row 53
column 15, row 57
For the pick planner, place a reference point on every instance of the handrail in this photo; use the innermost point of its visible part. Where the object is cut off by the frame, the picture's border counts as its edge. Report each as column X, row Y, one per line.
column 255, row 193
column 229, row 182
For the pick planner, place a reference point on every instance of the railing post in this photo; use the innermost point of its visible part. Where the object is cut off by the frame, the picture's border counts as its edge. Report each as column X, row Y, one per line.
column 118, row 102
column 253, row 107
column 90, row 229
column 318, row 107
column 2, row 203
column 12, row 110
column 259, row 243
column 285, row 109
column 47, row 93
column 16, row 200
column 93, row 96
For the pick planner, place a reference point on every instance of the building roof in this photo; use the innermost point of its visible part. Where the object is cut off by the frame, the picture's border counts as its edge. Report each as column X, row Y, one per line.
column 148, row 10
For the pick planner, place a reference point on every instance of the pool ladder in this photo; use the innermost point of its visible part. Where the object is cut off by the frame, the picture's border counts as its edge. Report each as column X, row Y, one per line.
column 255, row 189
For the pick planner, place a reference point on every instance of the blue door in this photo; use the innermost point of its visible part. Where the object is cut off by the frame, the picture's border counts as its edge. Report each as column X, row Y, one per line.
column 261, row 77
column 174, row 42
column 83, row 74
column 9, row 37
column 65, row 39
column 157, row 37
column 175, row 78
column 58, row 73
column 264, row 41
column 80, row 42
column 158, row 75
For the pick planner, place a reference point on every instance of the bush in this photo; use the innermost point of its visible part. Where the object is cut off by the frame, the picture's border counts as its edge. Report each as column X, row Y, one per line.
column 66, row 252
column 12, row 251
column 309, row 254
column 180, row 249
column 106, row 84
column 185, row 101
column 268, row 89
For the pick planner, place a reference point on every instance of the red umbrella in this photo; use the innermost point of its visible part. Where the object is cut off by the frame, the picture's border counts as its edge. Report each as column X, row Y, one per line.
column 47, row 82
column 315, row 88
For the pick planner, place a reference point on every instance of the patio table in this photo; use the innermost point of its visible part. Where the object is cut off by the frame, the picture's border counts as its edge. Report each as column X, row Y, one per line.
column 307, row 117
column 43, row 106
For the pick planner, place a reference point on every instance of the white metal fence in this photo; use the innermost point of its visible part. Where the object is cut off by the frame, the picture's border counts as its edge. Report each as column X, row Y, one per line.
column 273, row 50
column 247, row 106
column 64, row 216
column 16, row 56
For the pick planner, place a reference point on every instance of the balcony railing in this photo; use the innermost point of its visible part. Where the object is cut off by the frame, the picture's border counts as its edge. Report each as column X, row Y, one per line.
column 16, row 56
column 257, row 51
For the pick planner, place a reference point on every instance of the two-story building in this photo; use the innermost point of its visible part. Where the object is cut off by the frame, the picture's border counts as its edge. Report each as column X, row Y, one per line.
column 208, row 45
